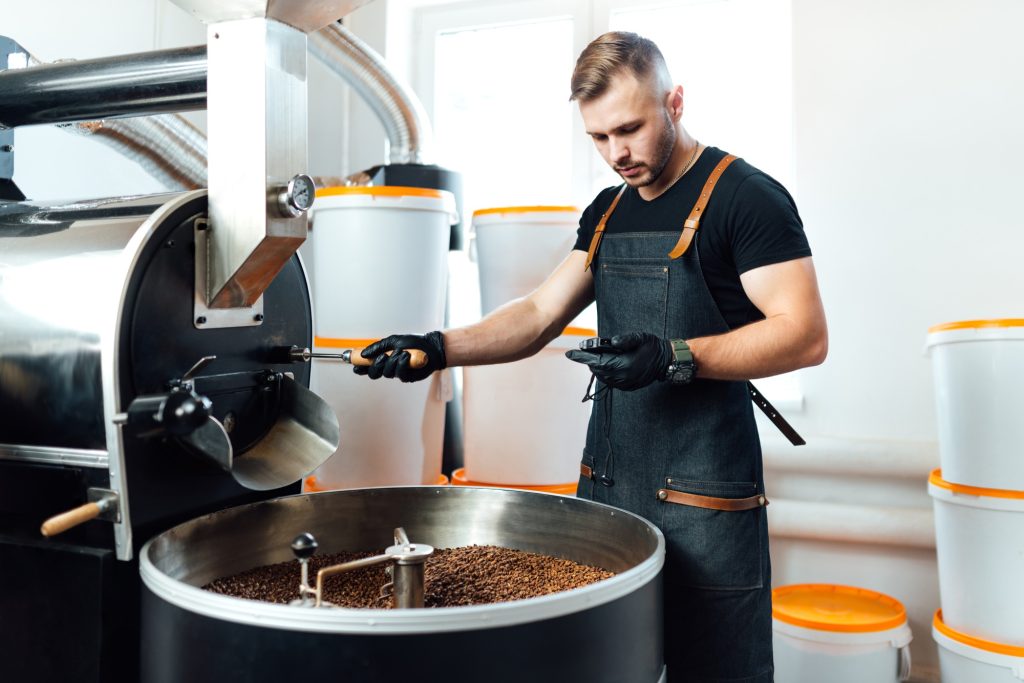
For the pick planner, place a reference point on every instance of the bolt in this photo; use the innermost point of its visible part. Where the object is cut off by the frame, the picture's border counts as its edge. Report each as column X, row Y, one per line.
column 169, row 243
column 258, row 317
column 201, row 320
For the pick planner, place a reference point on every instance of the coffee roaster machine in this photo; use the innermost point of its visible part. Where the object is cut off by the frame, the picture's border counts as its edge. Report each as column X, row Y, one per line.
column 142, row 379
column 155, row 419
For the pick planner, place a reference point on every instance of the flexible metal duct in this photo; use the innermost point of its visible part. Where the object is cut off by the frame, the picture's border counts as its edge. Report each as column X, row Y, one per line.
column 166, row 146
column 399, row 110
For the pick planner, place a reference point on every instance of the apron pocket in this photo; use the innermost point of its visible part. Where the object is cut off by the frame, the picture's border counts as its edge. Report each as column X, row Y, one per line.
column 633, row 297
column 710, row 548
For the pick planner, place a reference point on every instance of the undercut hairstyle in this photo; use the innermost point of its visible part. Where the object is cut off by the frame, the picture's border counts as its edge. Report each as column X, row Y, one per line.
column 609, row 54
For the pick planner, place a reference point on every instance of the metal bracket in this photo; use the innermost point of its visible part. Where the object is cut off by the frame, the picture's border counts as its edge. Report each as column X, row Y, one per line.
column 111, row 512
column 204, row 317
column 12, row 56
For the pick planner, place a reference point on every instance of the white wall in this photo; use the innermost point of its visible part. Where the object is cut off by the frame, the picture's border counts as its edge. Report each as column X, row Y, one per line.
column 907, row 146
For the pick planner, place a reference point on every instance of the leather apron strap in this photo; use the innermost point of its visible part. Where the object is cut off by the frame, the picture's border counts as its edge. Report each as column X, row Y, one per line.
column 595, row 241
column 693, row 220
column 712, row 503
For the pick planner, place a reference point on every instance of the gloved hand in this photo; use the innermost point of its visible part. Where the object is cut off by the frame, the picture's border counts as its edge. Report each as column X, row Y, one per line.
column 397, row 364
column 639, row 359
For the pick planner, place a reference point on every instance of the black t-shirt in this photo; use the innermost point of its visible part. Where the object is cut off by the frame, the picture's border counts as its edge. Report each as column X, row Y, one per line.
column 751, row 221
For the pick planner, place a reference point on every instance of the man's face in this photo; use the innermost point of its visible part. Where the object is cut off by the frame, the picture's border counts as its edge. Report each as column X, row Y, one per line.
column 631, row 128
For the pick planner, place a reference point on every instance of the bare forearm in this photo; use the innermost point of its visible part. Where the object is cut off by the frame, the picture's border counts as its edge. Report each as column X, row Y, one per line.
column 523, row 327
column 514, row 331
column 769, row 347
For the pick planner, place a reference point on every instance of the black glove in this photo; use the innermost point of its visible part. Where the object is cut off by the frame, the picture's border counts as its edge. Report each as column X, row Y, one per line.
column 639, row 359
column 397, row 364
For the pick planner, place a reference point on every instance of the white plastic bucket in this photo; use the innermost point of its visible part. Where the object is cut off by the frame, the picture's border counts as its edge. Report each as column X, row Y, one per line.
column 838, row 634
column 517, row 247
column 525, row 422
column 380, row 267
column 966, row 659
column 380, row 260
column 392, row 433
column 979, row 542
column 978, row 366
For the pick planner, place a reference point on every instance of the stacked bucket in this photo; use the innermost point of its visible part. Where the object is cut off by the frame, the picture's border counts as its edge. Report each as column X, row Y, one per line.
column 978, row 496
column 839, row 634
column 380, row 266
column 524, row 425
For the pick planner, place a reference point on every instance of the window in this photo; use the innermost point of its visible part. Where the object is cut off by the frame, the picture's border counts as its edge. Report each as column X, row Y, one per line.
column 501, row 112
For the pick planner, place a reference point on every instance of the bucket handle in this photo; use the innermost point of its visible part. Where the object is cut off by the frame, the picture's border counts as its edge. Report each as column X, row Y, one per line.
column 903, row 668
column 471, row 242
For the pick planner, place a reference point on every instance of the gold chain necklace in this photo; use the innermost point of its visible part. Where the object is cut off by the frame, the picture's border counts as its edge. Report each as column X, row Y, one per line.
column 689, row 164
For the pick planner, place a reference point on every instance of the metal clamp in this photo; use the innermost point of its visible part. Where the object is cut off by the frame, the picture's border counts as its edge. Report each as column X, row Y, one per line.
column 203, row 316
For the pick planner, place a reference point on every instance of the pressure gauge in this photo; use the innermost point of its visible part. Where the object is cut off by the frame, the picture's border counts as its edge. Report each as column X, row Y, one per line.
column 297, row 197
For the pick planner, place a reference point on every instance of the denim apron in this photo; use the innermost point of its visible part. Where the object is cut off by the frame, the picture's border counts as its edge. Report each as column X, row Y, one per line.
column 697, row 439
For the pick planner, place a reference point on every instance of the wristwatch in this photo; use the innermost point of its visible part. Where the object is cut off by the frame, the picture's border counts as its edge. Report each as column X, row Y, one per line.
column 682, row 369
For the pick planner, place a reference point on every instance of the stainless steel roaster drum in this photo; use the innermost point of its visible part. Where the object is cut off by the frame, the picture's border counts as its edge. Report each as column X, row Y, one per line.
column 606, row 632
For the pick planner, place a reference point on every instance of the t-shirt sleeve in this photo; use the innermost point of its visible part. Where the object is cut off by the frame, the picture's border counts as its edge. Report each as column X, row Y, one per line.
column 766, row 226
column 591, row 215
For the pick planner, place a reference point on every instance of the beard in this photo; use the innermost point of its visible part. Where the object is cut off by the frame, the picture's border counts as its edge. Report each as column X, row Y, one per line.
column 662, row 152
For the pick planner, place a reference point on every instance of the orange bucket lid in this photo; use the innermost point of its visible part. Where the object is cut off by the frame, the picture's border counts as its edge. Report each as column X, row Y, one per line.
column 935, row 479
column 379, row 191
column 827, row 607
column 309, row 484
column 579, row 332
column 525, row 209
column 459, row 479
column 335, row 343
column 977, row 324
column 972, row 641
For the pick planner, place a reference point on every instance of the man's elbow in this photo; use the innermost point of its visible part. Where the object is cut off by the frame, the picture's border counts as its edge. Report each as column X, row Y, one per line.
column 816, row 350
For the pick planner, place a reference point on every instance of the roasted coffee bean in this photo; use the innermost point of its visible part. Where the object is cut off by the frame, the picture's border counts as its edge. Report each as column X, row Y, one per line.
column 453, row 577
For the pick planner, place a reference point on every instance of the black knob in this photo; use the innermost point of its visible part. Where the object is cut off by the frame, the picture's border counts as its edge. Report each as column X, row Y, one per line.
column 304, row 546
column 177, row 413
column 184, row 412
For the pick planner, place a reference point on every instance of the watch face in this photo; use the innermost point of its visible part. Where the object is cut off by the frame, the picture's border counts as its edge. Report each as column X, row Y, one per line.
column 681, row 373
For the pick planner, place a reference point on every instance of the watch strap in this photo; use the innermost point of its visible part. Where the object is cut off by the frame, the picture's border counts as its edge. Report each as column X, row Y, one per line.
column 681, row 351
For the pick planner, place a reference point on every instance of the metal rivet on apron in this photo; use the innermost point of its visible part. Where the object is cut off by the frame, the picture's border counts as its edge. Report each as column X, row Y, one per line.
column 669, row 480
column 662, row 494
column 760, row 501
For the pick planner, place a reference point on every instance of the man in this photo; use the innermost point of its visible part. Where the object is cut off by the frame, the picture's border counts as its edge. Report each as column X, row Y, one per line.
column 703, row 279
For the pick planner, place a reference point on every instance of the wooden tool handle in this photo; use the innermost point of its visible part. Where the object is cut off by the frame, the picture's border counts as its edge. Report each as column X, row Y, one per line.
column 72, row 518
column 418, row 358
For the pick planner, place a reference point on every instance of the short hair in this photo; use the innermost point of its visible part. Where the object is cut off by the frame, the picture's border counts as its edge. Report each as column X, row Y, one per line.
column 610, row 53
